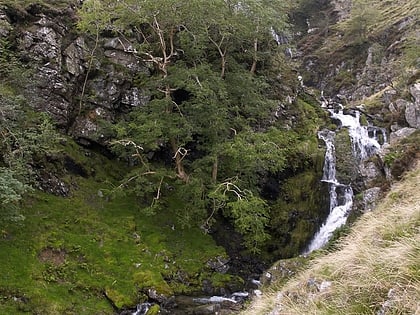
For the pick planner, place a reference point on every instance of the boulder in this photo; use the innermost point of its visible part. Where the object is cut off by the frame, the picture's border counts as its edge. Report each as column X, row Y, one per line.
column 401, row 134
column 370, row 197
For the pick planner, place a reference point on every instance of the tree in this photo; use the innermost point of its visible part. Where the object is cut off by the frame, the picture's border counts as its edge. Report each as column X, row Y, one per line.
column 207, row 102
column 24, row 135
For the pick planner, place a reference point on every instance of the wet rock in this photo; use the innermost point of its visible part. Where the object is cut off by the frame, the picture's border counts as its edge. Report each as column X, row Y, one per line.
column 158, row 297
column 128, row 60
column 50, row 183
column 42, row 42
column 88, row 127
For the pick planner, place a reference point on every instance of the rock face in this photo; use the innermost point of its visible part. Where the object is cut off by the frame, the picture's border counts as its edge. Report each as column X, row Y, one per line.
column 76, row 80
column 412, row 109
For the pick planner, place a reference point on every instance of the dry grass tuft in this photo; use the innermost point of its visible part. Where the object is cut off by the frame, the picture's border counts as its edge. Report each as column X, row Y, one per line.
column 375, row 271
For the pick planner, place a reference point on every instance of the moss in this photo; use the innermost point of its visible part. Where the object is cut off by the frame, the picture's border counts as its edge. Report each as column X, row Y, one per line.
column 151, row 280
column 153, row 310
column 70, row 251
column 221, row 281
column 119, row 299
column 363, row 120
column 345, row 161
column 301, row 208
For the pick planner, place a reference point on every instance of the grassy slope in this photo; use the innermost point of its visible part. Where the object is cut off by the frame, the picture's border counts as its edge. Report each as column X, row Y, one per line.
column 377, row 266
column 69, row 252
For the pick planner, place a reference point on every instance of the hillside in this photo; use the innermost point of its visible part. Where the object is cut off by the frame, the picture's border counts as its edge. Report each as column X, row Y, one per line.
column 159, row 156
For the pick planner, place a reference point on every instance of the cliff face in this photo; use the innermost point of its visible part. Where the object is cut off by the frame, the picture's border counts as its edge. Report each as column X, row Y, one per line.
column 76, row 79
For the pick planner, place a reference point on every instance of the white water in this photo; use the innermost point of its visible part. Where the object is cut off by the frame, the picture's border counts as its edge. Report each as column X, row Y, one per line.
column 364, row 144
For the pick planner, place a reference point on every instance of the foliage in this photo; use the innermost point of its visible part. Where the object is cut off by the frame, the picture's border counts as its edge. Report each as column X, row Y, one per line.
column 210, row 114
column 25, row 136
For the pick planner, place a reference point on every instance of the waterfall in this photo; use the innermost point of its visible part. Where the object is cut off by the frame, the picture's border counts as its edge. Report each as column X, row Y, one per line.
column 365, row 143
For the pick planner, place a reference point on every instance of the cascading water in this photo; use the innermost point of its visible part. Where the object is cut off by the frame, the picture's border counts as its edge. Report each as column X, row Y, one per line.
column 365, row 143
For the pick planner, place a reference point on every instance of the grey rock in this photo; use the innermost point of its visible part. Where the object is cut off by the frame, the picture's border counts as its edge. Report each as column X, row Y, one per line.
column 51, row 184
column 401, row 134
column 87, row 128
column 43, row 44
column 370, row 172
column 105, row 90
column 135, row 97
column 50, row 95
column 412, row 110
column 127, row 59
column 118, row 43
column 401, row 105
column 75, row 57
column 412, row 115
column 342, row 8
column 371, row 197
column 415, row 92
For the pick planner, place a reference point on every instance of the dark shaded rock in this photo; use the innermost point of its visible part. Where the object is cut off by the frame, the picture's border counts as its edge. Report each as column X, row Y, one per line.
column 219, row 264
column 88, row 127
column 52, row 184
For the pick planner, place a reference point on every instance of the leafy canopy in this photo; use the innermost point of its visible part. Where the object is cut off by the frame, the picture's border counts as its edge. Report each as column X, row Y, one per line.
column 209, row 115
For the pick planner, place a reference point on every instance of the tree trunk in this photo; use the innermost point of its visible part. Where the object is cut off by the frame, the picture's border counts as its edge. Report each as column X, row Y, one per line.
column 254, row 61
column 215, row 169
column 178, row 156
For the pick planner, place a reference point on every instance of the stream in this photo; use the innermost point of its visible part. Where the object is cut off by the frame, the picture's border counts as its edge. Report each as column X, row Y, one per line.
column 185, row 305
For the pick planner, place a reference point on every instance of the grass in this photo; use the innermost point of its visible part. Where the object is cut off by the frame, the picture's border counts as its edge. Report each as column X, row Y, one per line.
column 375, row 269
column 69, row 253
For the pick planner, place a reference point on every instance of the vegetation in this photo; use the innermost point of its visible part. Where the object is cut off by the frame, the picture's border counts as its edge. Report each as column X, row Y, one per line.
column 373, row 270
column 211, row 108
column 70, row 252
column 25, row 136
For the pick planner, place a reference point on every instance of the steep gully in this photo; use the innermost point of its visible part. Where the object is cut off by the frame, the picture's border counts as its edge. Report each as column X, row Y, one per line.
column 366, row 141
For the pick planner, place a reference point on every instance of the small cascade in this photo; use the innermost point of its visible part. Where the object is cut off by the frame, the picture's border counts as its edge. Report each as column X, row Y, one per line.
column 366, row 141
column 142, row 309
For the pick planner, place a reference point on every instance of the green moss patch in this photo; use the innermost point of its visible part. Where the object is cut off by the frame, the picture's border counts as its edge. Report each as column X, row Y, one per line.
column 74, row 255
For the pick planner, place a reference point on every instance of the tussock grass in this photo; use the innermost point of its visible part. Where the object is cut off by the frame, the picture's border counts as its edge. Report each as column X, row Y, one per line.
column 375, row 271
